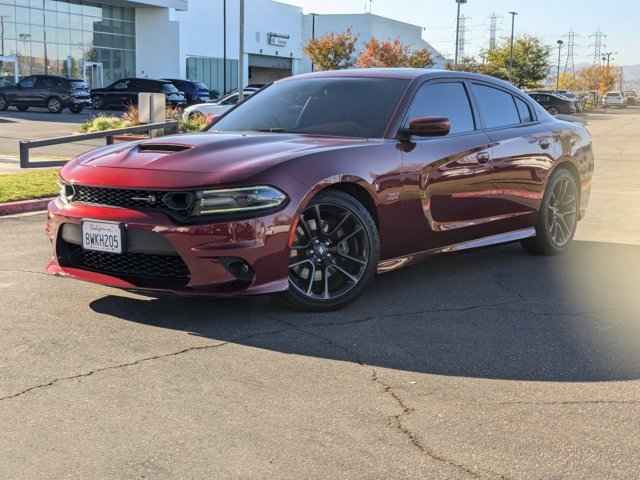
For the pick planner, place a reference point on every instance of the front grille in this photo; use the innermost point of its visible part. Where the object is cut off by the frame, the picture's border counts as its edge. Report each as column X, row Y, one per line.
column 115, row 197
column 141, row 268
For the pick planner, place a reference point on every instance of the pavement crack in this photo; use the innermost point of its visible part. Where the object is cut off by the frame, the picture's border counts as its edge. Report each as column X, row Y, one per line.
column 33, row 272
column 133, row 363
column 574, row 402
column 412, row 437
column 468, row 308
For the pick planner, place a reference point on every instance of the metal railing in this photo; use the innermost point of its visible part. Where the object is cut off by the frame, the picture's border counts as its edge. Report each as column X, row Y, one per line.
column 26, row 145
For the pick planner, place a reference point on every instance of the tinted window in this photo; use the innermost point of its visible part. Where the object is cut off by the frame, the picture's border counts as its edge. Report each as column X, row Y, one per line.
column 122, row 85
column 50, row 82
column 448, row 100
column 352, row 107
column 28, row 82
column 524, row 111
column 497, row 107
column 169, row 88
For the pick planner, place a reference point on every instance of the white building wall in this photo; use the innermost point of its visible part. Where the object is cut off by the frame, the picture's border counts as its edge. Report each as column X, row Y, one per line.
column 365, row 26
column 157, row 43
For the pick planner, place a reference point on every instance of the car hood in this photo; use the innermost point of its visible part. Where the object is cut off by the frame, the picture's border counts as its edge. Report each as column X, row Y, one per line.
column 181, row 161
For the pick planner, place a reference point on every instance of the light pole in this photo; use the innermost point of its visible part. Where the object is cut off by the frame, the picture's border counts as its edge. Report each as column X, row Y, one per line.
column 313, row 37
column 459, row 2
column 224, row 47
column 560, row 43
column 241, row 55
column 513, row 32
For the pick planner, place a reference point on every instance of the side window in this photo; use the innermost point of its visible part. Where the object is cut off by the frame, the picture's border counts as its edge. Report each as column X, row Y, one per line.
column 496, row 106
column 28, row 82
column 122, row 85
column 524, row 111
column 232, row 100
column 448, row 100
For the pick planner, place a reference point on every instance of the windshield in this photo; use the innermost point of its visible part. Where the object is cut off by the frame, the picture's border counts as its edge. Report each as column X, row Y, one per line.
column 79, row 85
column 352, row 107
column 169, row 88
column 201, row 86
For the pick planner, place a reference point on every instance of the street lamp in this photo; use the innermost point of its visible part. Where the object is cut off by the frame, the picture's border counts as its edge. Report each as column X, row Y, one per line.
column 513, row 31
column 2, row 17
column 241, row 55
column 224, row 47
column 459, row 2
column 560, row 43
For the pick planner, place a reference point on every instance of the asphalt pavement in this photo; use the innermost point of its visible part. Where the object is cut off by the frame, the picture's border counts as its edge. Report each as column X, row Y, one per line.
column 487, row 364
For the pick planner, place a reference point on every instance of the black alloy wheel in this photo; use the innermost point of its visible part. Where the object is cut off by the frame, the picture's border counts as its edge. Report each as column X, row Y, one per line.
column 334, row 255
column 558, row 216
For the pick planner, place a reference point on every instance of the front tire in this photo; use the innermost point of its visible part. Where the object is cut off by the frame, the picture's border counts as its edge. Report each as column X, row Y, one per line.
column 558, row 216
column 4, row 104
column 553, row 111
column 334, row 254
column 76, row 108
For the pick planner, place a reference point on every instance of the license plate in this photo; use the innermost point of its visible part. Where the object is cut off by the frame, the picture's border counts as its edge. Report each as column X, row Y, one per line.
column 102, row 236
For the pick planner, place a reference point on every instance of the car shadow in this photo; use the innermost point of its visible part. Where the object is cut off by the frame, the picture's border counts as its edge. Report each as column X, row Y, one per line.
column 497, row 313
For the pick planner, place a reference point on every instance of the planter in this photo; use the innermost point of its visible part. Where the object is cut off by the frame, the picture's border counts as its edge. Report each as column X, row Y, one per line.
column 130, row 138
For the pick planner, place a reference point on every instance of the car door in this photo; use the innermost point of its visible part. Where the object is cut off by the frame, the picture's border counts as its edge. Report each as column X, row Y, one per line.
column 44, row 88
column 24, row 93
column 117, row 94
column 522, row 154
column 447, row 179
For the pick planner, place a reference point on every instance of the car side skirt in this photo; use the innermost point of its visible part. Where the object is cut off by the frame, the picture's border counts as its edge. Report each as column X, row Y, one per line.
column 400, row 262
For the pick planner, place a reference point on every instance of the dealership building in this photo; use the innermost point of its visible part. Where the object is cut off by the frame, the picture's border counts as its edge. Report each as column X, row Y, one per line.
column 104, row 40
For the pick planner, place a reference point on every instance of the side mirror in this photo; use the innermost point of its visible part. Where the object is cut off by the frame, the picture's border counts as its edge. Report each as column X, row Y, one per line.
column 427, row 127
column 211, row 119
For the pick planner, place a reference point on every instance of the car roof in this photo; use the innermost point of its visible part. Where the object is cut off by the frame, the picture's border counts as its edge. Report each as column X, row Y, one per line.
column 402, row 73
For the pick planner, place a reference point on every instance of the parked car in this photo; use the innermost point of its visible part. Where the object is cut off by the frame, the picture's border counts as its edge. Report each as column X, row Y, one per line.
column 319, row 182
column 124, row 93
column 216, row 108
column 631, row 98
column 54, row 93
column 194, row 92
column 555, row 104
column 614, row 99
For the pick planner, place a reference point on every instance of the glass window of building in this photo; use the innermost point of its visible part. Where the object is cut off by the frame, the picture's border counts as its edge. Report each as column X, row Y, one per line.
column 71, row 38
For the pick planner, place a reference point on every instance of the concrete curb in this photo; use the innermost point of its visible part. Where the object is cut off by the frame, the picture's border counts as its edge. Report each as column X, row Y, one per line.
column 24, row 206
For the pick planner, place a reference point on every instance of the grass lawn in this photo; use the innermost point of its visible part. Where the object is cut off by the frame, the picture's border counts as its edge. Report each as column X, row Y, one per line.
column 38, row 183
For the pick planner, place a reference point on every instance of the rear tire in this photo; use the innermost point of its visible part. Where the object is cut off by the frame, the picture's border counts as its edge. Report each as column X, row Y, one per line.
column 557, row 218
column 334, row 255
column 76, row 108
column 4, row 104
column 553, row 111
column 54, row 105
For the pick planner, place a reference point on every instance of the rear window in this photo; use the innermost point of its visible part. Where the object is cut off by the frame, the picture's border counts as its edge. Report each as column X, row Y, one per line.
column 497, row 107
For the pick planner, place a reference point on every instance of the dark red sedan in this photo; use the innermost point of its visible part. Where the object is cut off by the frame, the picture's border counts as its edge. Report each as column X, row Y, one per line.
column 320, row 181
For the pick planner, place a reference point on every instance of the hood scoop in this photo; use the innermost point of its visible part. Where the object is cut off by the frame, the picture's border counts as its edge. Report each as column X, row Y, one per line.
column 162, row 148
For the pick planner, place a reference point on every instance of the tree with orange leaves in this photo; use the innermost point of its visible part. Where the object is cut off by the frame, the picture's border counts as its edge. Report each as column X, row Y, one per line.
column 394, row 53
column 332, row 51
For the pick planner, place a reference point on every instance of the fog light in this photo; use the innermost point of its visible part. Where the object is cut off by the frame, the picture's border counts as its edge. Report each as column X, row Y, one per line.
column 238, row 268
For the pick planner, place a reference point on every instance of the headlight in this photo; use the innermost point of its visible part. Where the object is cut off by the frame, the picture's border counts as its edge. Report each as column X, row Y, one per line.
column 66, row 192
column 238, row 200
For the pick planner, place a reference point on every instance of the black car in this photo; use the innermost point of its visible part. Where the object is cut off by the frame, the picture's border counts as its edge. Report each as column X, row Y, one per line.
column 54, row 93
column 555, row 104
column 194, row 92
column 123, row 93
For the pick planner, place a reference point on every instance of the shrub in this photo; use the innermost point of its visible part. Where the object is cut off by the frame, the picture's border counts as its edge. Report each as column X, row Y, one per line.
column 102, row 123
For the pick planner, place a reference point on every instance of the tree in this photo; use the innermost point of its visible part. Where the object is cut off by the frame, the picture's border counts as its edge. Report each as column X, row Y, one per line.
column 392, row 54
column 332, row 51
column 530, row 61
column 597, row 78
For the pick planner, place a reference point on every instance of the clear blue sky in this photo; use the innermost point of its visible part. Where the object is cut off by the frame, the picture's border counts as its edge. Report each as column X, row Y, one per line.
column 549, row 19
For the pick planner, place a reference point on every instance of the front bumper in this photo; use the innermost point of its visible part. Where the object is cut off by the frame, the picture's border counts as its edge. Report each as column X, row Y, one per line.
column 205, row 249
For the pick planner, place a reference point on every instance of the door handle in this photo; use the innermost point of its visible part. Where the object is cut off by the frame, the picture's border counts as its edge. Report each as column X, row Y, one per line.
column 483, row 157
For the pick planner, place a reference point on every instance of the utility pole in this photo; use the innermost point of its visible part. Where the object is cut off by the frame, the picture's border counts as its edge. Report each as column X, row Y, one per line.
column 493, row 32
column 513, row 31
column 224, row 47
column 570, row 64
column 560, row 43
column 598, row 45
column 459, row 2
column 2, row 17
column 606, row 58
column 241, row 55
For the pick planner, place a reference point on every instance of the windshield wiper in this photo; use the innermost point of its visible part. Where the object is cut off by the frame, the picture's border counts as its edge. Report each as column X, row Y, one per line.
column 274, row 130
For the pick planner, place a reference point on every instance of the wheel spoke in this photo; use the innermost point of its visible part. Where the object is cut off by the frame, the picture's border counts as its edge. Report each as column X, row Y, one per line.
column 351, row 235
column 302, row 262
column 346, row 274
column 312, row 278
column 352, row 259
column 325, row 274
column 340, row 224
